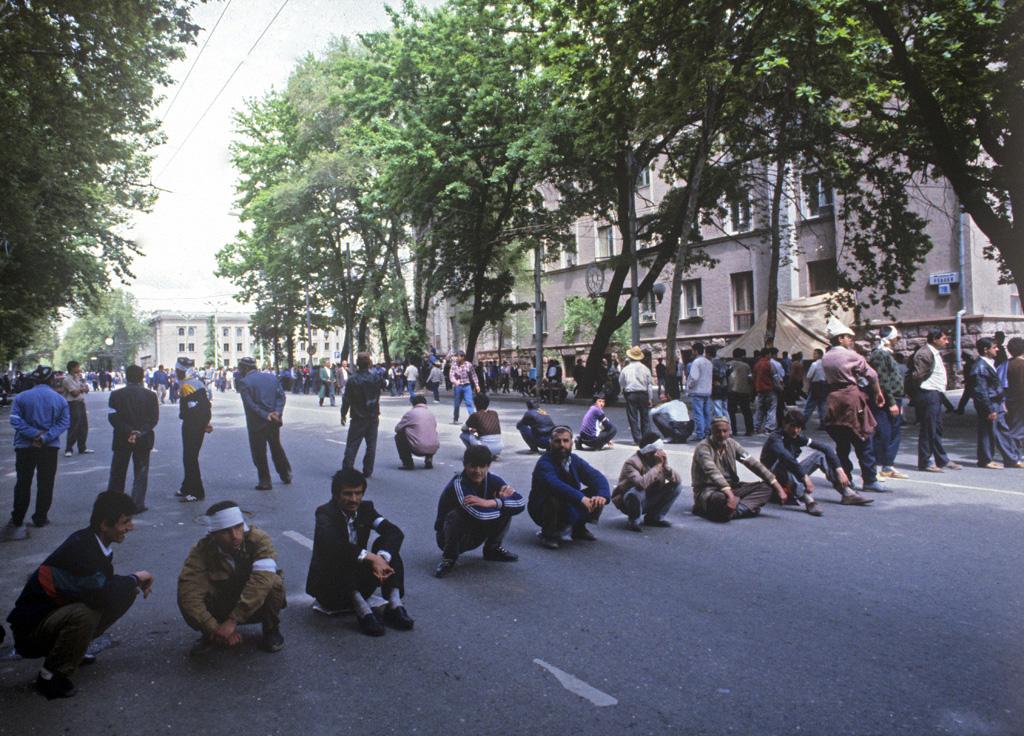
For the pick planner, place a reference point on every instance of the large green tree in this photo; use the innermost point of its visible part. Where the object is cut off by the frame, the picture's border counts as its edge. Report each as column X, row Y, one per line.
column 77, row 86
column 115, row 319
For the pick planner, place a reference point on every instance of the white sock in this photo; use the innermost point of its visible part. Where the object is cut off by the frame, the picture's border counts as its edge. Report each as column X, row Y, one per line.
column 45, row 673
column 359, row 603
column 394, row 600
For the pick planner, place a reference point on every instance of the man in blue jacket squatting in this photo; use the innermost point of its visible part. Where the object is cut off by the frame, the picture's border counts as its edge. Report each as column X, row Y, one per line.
column 566, row 493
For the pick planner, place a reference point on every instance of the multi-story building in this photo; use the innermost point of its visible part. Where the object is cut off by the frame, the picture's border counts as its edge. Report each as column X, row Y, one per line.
column 174, row 334
column 721, row 302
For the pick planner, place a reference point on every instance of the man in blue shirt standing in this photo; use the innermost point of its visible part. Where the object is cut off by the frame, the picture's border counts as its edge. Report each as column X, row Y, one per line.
column 263, row 399
column 39, row 417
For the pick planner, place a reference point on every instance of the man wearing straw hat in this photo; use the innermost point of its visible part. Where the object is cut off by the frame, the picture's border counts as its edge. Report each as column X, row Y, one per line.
column 230, row 578
column 637, row 383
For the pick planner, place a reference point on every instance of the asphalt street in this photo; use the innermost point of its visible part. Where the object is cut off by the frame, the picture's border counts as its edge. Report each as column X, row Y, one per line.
column 900, row 618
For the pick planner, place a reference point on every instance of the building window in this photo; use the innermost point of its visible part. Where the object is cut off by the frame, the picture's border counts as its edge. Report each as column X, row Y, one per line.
column 227, row 362
column 568, row 256
column 191, row 347
column 226, row 331
column 643, row 178
column 821, row 276
column 1015, row 307
column 238, row 332
column 181, row 347
column 302, row 347
column 649, row 308
column 227, row 347
column 238, row 347
column 605, row 243
column 742, row 300
column 327, row 347
column 817, row 195
column 740, row 220
column 693, row 299
column 181, row 332
column 191, row 331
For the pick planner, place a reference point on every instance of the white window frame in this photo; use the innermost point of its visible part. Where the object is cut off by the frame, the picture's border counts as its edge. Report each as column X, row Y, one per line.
column 739, row 215
column 818, row 195
column 693, row 299
column 604, row 247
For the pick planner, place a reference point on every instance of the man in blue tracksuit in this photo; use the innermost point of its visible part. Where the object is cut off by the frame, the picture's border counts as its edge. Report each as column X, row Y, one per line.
column 263, row 399
column 566, row 492
column 39, row 417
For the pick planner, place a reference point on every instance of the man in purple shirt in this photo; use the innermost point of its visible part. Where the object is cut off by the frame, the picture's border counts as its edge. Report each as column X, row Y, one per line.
column 596, row 429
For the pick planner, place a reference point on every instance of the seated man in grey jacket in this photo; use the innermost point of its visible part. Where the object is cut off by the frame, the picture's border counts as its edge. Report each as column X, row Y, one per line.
column 416, row 434
column 647, row 485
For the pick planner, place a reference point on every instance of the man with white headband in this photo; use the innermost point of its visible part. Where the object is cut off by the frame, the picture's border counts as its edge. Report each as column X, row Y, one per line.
column 231, row 577
column 345, row 573
column 647, row 485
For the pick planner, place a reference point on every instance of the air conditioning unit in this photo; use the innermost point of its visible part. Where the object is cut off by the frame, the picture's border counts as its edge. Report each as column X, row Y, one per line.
column 648, row 317
column 695, row 312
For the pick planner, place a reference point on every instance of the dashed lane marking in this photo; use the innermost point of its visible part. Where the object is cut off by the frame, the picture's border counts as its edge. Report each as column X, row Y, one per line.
column 576, row 686
column 300, row 538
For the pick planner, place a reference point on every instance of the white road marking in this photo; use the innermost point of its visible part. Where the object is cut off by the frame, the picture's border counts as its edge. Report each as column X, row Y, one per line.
column 300, row 538
column 84, row 471
column 957, row 485
column 337, row 442
column 576, row 686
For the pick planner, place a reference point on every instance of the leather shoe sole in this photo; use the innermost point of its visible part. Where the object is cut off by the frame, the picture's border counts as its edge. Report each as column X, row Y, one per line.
column 500, row 554
column 398, row 618
column 856, row 501
column 370, row 626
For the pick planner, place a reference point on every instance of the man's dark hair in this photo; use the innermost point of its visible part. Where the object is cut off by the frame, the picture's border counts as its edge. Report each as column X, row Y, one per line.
column 477, row 456
column 134, row 374
column 983, row 344
column 481, row 401
column 698, row 348
column 739, row 353
column 419, row 399
column 710, row 351
column 935, row 333
column 1015, row 346
column 773, row 351
column 597, row 396
column 347, row 478
column 72, row 364
column 363, row 361
column 220, row 506
column 531, row 405
column 109, row 507
column 794, row 418
column 1000, row 336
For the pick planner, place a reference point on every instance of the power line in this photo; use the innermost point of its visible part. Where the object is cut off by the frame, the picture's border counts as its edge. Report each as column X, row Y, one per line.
column 221, row 90
column 195, row 61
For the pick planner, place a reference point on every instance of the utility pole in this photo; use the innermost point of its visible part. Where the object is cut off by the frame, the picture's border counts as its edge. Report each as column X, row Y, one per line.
column 309, row 329
column 634, row 303
column 538, row 316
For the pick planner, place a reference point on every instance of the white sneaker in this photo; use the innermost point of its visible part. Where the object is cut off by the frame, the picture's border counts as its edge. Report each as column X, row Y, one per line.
column 12, row 533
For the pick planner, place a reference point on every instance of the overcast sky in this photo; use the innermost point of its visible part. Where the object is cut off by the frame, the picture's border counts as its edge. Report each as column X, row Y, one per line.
column 195, row 217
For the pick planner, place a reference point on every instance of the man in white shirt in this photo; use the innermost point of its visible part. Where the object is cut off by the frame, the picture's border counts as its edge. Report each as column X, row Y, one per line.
column 412, row 375
column 637, row 383
column 698, row 387
column 929, row 373
column 672, row 419
column 817, row 389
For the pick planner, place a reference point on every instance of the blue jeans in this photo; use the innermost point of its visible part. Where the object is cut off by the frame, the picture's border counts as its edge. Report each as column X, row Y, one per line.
column 701, row 411
column 813, row 460
column 654, row 503
column 887, row 436
column 411, row 386
column 463, row 393
column 845, row 441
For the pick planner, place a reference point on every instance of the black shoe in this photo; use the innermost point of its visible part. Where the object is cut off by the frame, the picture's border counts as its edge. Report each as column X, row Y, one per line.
column 548, row 542
column 428, row 463
column 662, row 523
column 499, row 554
column 370, row 626
column 633, row 525
column 39, row 523
column 582, row 534
column 141, row 509
column 264, row 486
column 398, row 618
column 272, row 640
column 286, row 479
column 443, row 567
column 579, row 445
column 367, row 475
column 58, row 686
column 410, row 466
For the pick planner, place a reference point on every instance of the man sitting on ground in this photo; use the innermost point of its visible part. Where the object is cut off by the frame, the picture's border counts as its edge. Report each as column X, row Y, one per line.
column 596, row 429
column 718, row 494
column 483, row 427
column 416, row 434
column 672, row 419
column 535, row 427
column 229, row 578
column 475, row 508
column 566, row 493
column 647, row 485
column 74, row 596
column 343, row 574
column 781, row 454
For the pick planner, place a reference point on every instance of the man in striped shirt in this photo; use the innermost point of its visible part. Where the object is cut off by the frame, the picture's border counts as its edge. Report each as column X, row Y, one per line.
column 476, row 508
column 464, row 383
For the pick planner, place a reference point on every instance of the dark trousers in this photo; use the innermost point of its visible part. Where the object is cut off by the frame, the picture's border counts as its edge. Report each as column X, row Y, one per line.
column 139, row 457
column 638, row 414
column 40, row 462
column 78, row 433
column 886, row 439
column 462, row 533
column 535, row 440
column 993, row 436
column 361, row 430
column 741, row 403
column 672, row 431
column 191, row 444
column 558, row 516
column 929, row 437
column 711, row 502
column 596, row 443
column 221, row 603
column 846, row 440
column 814, row 460
column 405, row 451
column 63, row 637
column 261, row 435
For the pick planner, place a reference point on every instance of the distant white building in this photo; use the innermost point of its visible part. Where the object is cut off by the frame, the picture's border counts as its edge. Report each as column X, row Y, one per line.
column 174, row 334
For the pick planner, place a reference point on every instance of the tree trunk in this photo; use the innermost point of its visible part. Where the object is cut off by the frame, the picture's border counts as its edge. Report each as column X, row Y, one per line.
column 362, row 335
column 382, row 326
column 772, row 314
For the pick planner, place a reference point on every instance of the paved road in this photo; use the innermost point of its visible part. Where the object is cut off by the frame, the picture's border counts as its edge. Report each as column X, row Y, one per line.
column 901, row 618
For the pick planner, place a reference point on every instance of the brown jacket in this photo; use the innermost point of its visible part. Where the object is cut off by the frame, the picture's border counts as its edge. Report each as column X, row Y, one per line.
column 636, row 474
column 716, row 469
column 848, row 407
column 208, row 574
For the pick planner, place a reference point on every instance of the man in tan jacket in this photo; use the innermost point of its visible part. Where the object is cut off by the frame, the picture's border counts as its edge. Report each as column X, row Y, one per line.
column 231, row 577
column 647, row 485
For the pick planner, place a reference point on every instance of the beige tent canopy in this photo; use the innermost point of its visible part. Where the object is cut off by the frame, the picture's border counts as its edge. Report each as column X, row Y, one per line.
column 800, row 327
